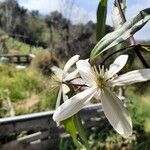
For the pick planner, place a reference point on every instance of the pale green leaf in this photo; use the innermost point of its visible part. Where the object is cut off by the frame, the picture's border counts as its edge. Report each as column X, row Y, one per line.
column 121, row 34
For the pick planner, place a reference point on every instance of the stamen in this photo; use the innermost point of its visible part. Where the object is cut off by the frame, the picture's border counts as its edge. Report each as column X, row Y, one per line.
column 95, row 70
column 99, row 67
column 103, row 71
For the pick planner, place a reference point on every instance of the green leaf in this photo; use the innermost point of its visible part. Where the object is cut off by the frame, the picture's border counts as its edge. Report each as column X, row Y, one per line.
column 116, row 17
column 101, row 19
column 81, row 129
column 121, row 34
column 71, row 129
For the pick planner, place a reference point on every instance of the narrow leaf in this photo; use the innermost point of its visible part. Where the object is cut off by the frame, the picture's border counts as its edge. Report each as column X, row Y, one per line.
column 81, row 130
column 101, row 19
column 71, row 129
column 121, row 34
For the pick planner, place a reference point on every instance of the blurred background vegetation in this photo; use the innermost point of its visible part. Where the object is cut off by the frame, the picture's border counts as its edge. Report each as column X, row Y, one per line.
column 53, row 39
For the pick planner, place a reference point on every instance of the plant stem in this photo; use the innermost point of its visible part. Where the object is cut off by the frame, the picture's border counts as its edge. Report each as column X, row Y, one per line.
column 145, row 64
column 117, row 2
column 126, row 48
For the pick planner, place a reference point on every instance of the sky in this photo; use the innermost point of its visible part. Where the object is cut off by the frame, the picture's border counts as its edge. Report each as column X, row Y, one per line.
column 85, row 10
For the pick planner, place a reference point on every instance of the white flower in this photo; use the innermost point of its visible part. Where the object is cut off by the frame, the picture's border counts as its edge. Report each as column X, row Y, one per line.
column 63, row 76
column 99, row 83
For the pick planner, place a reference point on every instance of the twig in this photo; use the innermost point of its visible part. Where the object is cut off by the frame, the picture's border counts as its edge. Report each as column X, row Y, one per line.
column 117, row 3
column 145, row 64
column 131, row 46
column 82, row 85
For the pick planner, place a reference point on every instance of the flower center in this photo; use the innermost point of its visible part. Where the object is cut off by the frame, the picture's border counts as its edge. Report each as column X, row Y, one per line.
column 100, row 77
column 101, row 83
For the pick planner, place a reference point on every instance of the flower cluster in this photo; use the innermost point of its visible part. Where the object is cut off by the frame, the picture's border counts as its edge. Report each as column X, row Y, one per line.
column 98, row 83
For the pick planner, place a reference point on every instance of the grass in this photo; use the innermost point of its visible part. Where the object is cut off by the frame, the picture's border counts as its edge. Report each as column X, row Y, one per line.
column 22, row 85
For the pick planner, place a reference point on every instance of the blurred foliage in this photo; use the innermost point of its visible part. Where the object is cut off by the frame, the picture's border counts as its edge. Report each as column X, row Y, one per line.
column 22, row 85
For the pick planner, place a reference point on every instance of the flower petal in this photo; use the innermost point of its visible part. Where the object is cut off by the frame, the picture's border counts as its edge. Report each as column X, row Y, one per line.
column 71, row 62
column 86, row 72
column 117, row 65
column 116, row 113
column 65, row 90
column 57, row 71
column 71, row 75
column 58, row 98
column 78, row 81
column 132, row 77
column 73, row 105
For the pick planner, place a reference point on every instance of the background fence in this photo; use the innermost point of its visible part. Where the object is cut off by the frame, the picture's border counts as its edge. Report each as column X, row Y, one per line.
column 16, row 59
column 39, row 132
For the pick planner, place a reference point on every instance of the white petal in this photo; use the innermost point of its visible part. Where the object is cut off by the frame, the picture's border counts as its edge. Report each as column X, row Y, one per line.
column 86, row 72
column 65, row 90
column 116, row 113
column 132, row 77
column 57, row 71
column 117, row 65
column 73, row 105
column 58, row 98
column 71, row 62
column 97, row 94
column 71, row 75
column 78, row 81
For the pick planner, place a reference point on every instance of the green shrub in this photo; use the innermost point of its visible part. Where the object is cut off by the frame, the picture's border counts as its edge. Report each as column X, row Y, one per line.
column 20, row 83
